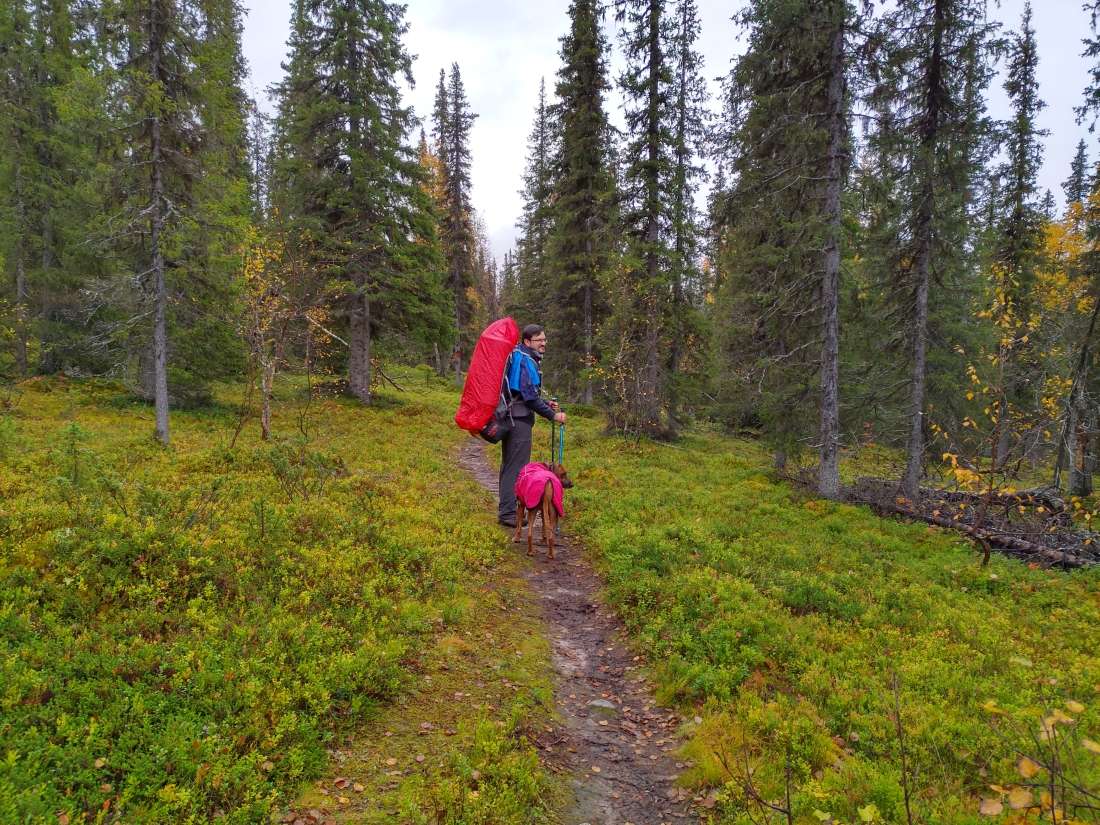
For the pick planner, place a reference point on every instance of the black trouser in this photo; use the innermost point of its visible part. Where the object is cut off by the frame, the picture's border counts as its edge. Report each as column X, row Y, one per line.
column 515, row 454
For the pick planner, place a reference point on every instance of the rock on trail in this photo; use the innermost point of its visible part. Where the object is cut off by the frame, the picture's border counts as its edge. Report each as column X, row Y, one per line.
column 615, row 740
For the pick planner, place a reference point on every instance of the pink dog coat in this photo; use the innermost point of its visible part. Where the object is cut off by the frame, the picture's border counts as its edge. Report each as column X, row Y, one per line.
column 531, row 484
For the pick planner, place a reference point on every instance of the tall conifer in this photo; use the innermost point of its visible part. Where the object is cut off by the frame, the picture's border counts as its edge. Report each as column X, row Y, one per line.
column 453, row 122
column 349, row 177
column 649, row 166
column 928, row 81
column 583, row 238
column 785, row 139
column 536, row 224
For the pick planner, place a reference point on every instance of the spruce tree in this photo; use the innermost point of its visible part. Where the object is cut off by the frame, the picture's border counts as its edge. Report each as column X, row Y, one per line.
column 1021, row 221
column 41, row 53
column 779, row 240
column 453, row 122
column 1079, row 183
column 536, row 223
column 929, row 76
column 690, row 134
column 583, row 239
column 649, row 165
column 180, row 163
column 348, row 177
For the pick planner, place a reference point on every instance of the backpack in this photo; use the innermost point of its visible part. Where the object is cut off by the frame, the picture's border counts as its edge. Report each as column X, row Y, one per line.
column 484, row 410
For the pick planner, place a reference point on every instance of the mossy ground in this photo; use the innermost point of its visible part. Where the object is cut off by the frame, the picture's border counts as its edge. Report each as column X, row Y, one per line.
column 781, row 621
column 191, row 632
column 197, row 631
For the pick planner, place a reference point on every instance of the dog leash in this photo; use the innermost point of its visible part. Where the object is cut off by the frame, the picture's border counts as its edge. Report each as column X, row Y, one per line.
column 557, row 438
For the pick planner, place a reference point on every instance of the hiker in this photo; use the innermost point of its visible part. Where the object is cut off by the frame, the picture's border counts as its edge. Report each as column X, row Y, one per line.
column 523, row 378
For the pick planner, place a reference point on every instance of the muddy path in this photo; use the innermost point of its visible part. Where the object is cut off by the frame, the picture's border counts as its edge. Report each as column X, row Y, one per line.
column 613, row 738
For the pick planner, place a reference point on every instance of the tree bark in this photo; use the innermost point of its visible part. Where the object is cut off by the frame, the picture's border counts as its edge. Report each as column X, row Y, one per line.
column 1080, row 466
column 829, row 457
column 359, row 358
column 160, row 290
column 588, row 332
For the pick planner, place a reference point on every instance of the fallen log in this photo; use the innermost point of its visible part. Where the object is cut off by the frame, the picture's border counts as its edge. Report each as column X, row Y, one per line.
column 1009, row 542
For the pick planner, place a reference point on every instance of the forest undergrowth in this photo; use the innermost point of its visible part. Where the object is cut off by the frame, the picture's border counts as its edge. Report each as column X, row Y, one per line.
column 193, row 633
column 784, row 622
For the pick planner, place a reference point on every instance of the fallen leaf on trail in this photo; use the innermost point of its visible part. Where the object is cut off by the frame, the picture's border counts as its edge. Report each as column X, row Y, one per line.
column 853, row 736
column 475, row 775
column 595, row 769
column 63, row 819
column 358, row 788
column 698, row 720
column 602, row 722
column 1090, row 746
column 1075, row 707
column 99, row 763
column 391, row 761
column 614, row 794
column 105, row 787
column 420, row 757
column 1028, row 768
column 425, row 726
column 340, row 782
column 709, row 802
column 991, row 807
column 572, row 750
column 343, row 800
column 1020, row 798
column 268, row 766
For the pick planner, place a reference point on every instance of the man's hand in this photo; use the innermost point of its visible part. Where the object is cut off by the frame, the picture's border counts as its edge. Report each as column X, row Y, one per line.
column 553, row 405
column 559, row 418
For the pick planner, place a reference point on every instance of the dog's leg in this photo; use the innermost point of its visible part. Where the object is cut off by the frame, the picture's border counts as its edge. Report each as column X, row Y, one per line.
column 519, row 521
column 549, row 519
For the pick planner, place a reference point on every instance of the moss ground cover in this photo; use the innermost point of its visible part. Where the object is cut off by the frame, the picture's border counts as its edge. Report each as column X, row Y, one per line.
column 189, row 633
column 784, row 621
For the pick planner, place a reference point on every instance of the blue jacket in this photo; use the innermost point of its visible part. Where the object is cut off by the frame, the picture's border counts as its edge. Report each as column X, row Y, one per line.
column 526, row 386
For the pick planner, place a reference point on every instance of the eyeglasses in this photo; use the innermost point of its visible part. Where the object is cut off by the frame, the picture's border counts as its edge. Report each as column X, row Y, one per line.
column 539, row 340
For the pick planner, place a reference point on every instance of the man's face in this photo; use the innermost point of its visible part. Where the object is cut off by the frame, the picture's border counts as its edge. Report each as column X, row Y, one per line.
column 538, row 343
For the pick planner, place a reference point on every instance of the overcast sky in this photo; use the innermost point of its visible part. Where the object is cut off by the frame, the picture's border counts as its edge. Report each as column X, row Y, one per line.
column 504, row 47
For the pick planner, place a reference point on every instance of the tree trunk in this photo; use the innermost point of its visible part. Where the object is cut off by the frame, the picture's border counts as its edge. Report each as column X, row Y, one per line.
column 1080, row 466
column 160, row 290
column 359, row 359
column 829, row 458
column 910, row 482
column 20, row 305
column 156, row 227
column 267, row 382
column 20, row 272
column 588, row 331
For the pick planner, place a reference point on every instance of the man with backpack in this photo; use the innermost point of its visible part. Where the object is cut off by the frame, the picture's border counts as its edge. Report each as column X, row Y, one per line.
column 523, row 386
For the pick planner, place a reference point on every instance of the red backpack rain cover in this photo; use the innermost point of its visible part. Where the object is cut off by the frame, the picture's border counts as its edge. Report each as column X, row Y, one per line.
column 481, row 394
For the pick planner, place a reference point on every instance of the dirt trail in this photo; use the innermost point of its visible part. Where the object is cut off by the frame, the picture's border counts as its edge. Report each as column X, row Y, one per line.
column 615, row 740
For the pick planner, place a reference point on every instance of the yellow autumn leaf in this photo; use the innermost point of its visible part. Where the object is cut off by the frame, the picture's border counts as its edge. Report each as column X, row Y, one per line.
column 1075, row 707
column 1020, row 799
column 1090, row 746
column 1028, row 768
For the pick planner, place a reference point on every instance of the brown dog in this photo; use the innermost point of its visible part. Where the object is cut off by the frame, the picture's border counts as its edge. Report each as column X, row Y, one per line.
column 548, row 510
